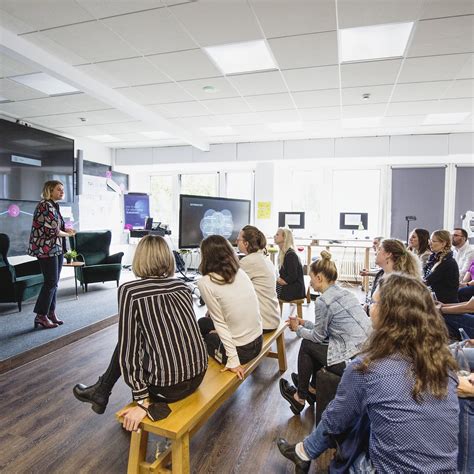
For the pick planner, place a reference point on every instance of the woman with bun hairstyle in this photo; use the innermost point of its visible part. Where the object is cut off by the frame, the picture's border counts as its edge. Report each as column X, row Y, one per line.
column 256, row 264
column 340, row 329
column 419, row 244
column 441, row 273
column 290, row 283
column 233, row 330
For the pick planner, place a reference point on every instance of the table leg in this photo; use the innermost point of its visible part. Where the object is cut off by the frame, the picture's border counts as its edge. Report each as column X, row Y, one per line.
column 75, row 282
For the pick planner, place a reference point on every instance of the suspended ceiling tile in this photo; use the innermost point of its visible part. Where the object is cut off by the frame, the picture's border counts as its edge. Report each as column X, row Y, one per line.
column 160, row 93
column 149, row 32
column 13, row 91
column 456, row 105
column 369, row 110
column 185, row 109
column 107, row 8
column 183, row 65
column 378, row 94
column 319, row 49
column 46, row 14
column 322, row 98
column 467, row 70
column 353, row 13
column 370, row 73
column 270, row 102
column 321, row 113
column 323, row 77
column 221, row 88
column 20, row 109
column 92, row 41
column 419, row 91
column 12, row 67
column 442, row 8
column 227, row 106
column 213, row 23
column 413, row 108
column 443, row 36
column 279, row 116
column 12, row 23
column 259, row 83
column 432, row 68
column 240, row 119
column 125, row 72
column 459, row 89
column 295, row 17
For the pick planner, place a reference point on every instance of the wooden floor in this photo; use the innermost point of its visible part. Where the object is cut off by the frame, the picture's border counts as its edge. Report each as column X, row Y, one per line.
column 46, row 430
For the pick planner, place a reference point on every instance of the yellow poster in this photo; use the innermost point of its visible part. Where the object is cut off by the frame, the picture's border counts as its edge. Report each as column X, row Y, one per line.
column 264, row 209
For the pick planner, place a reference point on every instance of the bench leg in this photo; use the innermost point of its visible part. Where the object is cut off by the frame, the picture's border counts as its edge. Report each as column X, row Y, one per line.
column 180, row 455
column 299, row 310
column 137, row 454
column 281, row 350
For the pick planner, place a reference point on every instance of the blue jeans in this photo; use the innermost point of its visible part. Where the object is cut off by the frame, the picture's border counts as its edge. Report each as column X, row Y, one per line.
column 466, row 435
column 466, row 293
column 317, row 442
column 456, row 321
column 51, row 269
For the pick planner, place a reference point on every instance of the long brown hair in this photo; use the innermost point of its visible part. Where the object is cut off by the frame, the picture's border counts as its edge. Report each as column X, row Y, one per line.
column 403, row 260
column 423, row 241
column 255, row 238
column 325, row 266
column 218, row 256
column 409, row 325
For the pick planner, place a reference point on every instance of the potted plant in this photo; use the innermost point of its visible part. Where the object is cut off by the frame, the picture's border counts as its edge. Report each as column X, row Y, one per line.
column 70, row 255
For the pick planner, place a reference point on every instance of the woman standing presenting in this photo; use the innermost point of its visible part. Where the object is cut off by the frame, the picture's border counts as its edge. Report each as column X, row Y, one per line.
column 290, row 283
column 47, row 244
column 261, row 272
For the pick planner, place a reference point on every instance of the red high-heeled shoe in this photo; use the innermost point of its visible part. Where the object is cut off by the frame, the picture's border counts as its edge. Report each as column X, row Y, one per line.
column 43, row 321
column 54, row 319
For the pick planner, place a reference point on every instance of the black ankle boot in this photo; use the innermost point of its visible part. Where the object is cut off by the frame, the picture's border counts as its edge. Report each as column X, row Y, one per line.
column 97, row 395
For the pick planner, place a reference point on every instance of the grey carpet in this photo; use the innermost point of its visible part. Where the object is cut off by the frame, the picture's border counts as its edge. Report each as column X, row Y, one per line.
column 17, row 334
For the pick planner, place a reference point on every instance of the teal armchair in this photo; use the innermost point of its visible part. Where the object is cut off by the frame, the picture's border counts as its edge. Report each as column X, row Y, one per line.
column 93, row 249
column 17, row 282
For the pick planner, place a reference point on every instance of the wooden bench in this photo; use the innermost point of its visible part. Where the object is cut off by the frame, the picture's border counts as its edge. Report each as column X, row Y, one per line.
column 189, row 414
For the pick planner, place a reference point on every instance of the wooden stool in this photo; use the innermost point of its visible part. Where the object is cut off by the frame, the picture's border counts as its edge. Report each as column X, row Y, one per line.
column 298, row 303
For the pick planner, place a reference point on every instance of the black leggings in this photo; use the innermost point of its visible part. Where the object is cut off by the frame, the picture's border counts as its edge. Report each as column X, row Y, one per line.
column 169, row 394
column 216, row 349
column 312, row 357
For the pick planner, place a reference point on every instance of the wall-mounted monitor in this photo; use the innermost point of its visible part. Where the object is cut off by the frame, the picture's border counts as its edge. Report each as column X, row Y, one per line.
column 30, row 157
column 353, row 220
column 293, row 220
column 201, row 216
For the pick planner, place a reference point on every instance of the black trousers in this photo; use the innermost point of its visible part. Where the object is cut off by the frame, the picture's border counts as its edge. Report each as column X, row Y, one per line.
column 216, row 349
column 51, row 269
column 169, row 394
column 312, row 357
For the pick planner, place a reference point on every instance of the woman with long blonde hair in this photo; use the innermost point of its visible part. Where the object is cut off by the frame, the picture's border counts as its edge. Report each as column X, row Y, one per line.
column 403, row 384
column 441, row 273
column 290, row 282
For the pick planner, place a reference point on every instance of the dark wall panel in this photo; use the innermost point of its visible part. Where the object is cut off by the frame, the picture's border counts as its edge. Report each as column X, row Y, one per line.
column 464, row 194
column 417, row 192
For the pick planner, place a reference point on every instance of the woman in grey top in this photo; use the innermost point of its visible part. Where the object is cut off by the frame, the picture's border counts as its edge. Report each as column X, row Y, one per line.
column 341, row 327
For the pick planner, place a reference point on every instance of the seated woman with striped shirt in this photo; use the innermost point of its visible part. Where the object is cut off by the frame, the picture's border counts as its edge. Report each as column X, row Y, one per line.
column 233, row 329
column 160, row 353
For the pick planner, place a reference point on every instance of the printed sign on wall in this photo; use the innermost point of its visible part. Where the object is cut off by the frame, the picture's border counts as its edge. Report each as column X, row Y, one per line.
column 137, row 209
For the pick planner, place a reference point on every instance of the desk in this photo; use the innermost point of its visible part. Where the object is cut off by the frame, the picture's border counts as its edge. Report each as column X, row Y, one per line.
column 74, row 265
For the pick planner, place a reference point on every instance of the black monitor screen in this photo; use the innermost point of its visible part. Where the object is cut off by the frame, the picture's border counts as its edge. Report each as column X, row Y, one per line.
column 30, row 157
column 353, row 220
column 201, row 216
column 293, row 220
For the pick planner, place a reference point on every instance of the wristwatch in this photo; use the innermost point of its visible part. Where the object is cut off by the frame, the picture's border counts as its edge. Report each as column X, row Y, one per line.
column 141, row 404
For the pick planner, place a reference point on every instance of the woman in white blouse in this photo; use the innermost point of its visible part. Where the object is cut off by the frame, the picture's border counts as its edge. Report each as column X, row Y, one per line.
column 261, row 271
column 419, row 244
column 233, row 330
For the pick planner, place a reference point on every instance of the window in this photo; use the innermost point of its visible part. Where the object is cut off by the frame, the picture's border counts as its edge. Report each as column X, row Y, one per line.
column 161, row 199
column 199, row 184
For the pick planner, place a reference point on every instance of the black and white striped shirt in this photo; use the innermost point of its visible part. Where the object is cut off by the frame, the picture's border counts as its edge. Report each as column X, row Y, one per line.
column 160, row 342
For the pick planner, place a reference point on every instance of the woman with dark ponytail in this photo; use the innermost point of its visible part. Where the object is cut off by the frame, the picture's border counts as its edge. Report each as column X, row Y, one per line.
column 340, row 329
column 252, row 242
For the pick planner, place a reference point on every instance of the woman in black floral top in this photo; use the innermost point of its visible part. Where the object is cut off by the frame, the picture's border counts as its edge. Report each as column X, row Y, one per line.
column 48, row 245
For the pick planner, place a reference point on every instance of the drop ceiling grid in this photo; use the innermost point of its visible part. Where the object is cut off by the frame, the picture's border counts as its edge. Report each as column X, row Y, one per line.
column 429, row 78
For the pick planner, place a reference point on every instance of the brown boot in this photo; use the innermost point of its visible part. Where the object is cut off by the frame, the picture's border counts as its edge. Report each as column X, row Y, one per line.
column 43, row 321
column 54, row 319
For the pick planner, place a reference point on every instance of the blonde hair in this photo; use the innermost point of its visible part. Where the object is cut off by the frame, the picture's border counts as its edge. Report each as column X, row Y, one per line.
column 325, row 266
column 403, row 260
column 153, row 258
column 288, row 243
column 48, row 188
column 444, row 236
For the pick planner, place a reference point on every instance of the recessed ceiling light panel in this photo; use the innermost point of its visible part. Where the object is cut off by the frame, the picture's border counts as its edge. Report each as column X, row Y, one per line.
column 248, row 56
column 361, row 122
column 282, row 127
column 373, row 42
column 445, row 119
column 156, row 135
column 44, row 83
column 218, row 131
column 104, row 138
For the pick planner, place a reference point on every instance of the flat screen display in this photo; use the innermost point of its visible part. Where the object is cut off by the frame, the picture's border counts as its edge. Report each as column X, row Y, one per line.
column 353, row 220
column 293, row 220
column 29, row 157
column 201, row 216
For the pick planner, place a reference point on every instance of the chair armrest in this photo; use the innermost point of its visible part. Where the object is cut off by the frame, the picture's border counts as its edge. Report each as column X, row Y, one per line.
column 115, row 258
column 27, row 268
column 81, row 258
